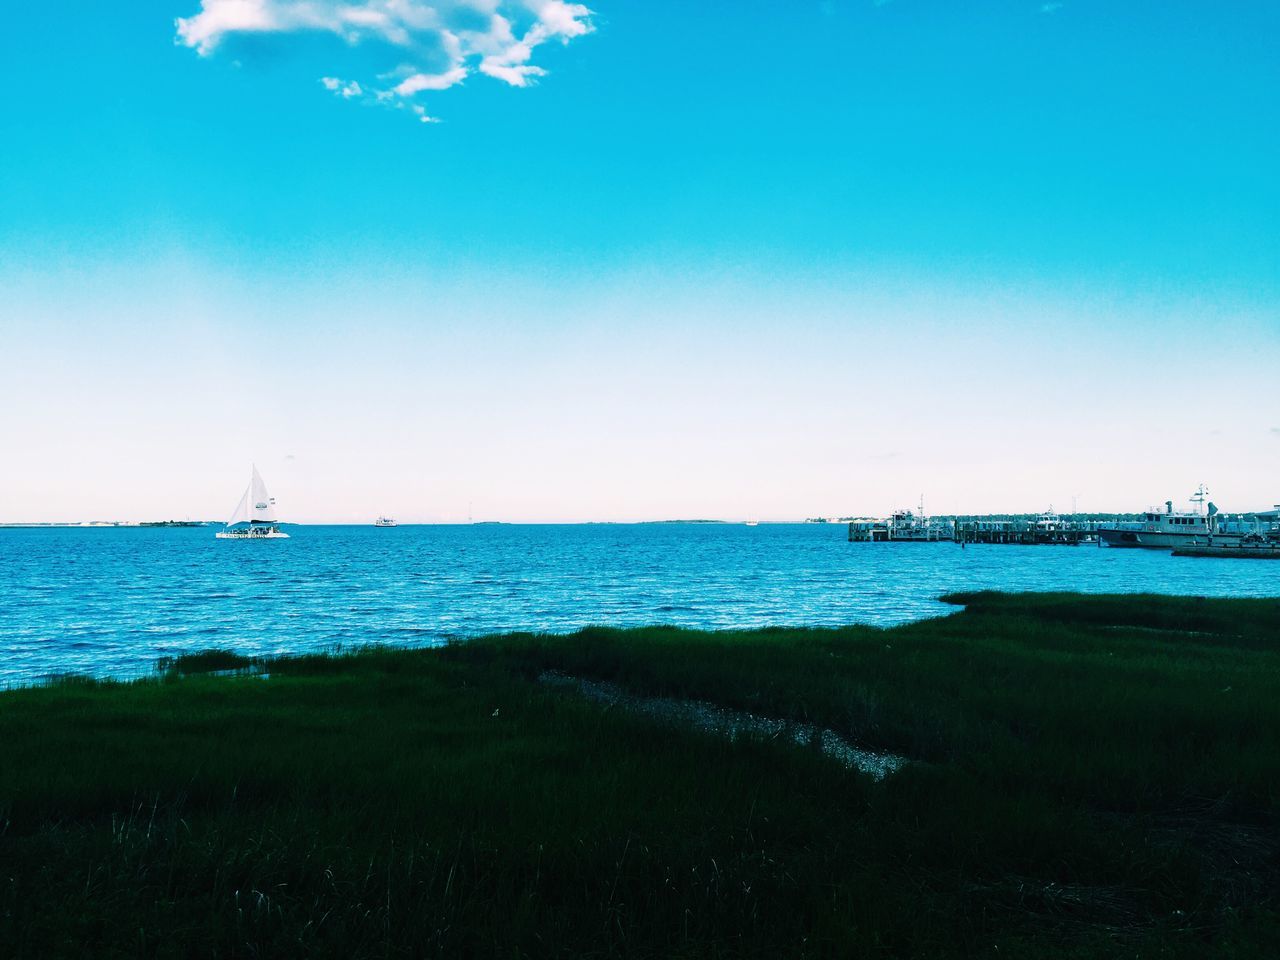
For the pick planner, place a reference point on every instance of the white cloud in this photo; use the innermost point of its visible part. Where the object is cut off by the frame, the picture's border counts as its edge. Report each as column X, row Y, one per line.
column 434, row 44
column 417, row 82
column 347, row 90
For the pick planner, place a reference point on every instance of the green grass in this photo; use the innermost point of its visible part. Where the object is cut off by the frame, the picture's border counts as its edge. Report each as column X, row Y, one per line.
column 1092, row 776
column 206, row 661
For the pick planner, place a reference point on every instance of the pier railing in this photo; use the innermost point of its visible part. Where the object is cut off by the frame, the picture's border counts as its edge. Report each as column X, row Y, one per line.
column 984, row 530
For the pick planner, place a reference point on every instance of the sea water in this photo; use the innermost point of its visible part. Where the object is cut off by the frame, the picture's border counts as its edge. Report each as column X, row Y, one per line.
column 111, row 601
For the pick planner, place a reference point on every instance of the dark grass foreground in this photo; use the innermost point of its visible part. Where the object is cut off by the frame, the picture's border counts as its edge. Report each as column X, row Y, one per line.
column 1092, row 777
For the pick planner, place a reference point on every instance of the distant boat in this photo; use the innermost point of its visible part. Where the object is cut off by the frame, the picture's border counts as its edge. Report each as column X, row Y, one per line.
column 385, row 522
column 1048, row 521
column 907, row 527
column 752, row 523
column 255, row 516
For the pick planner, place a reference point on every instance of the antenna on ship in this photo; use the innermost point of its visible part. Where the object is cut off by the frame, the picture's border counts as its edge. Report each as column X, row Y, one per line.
column 1200, row 496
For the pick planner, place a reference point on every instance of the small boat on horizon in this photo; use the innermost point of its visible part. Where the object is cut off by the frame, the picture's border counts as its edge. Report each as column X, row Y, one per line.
column 255, row 515
column 385, row 522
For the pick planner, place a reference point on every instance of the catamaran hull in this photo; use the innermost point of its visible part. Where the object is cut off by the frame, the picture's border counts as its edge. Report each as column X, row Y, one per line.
column 236, row 535
column 1164, row 541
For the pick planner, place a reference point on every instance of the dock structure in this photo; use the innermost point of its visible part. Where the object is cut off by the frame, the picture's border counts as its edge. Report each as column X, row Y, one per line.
column 1249, row 551
column 1043, row 531
column 1257, row 532
column 1046, row 529
column 903, row 527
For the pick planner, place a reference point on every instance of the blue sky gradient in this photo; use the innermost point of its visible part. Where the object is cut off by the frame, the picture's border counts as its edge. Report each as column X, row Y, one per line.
column 740, row 260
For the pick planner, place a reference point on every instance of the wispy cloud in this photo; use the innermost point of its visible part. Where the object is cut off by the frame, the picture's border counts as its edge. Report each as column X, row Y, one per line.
column 348, row 90
column 426, row 45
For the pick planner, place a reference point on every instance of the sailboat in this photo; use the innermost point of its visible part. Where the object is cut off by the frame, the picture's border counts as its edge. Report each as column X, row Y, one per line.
column 255, row 516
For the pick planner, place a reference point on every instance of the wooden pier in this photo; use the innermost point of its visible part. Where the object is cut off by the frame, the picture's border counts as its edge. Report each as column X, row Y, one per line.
column 1047, row 530
column 1060, row 533
column 1257, row 551
column 1259, row 531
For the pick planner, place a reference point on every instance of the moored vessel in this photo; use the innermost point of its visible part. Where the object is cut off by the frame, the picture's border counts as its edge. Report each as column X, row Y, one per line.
column 907, row 527
column 1168, row 529
column 903, row 526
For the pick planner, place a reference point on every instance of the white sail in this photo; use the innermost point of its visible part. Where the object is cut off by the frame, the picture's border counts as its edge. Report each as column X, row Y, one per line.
column 256, row 506
column 241, row 514
column 262, row 507
column 255, row 515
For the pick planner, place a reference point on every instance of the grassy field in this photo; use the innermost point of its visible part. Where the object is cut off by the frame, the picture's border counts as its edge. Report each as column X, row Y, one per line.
column 1089, row 776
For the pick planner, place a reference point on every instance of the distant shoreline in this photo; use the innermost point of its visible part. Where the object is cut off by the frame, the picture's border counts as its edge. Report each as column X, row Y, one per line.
column 187, row 524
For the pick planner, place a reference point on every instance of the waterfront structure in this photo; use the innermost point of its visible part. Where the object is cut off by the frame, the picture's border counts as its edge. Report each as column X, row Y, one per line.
column 1044, row 529
column 1263, row 524
column 1158, row 529
column 902, row 527
column 908, row 527
column 1248, row 549
column 867, row 530
column 255, row 515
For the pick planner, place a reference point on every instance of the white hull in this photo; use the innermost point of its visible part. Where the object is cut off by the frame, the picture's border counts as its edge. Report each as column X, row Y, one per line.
column 254, row 535
column 1154, row 540
column 1169, row 529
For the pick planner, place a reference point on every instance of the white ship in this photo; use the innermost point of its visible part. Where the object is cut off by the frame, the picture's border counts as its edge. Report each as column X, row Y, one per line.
column 1049, row 522
column 907, row 527
column 1171, row 528
column 385, row 522
column 255, row 515
column 903, row 527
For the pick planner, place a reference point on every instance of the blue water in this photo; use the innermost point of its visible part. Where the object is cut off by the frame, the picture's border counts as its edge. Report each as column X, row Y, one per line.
column 109, row 602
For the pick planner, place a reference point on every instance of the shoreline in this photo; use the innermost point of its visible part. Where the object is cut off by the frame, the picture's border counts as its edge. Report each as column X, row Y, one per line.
column 1085, row 772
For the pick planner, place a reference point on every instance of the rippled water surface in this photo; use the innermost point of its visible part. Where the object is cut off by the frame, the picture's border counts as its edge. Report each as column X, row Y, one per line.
column 110, row 601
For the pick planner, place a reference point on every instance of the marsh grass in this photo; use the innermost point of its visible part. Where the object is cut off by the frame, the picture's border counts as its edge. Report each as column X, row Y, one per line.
column 1090, row 777
column 206, row 661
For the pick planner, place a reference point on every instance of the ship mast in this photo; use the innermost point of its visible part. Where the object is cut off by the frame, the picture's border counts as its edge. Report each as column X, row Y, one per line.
column 1199, row 498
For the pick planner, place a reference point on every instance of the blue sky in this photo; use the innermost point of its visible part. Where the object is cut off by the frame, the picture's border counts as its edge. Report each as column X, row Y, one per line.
column 741, row 260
